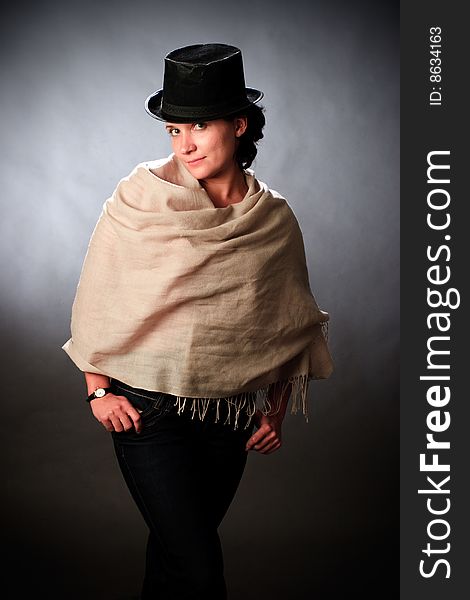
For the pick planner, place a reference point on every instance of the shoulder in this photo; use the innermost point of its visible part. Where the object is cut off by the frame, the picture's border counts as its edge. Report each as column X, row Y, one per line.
column 263, row 186
column 285, row 208
column 278, row 199
column 256, row 185
column 275, row 194
column 137, row 183
column 141, row 171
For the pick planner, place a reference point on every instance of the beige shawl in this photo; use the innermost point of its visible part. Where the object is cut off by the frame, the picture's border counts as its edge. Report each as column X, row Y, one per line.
column 204, row 303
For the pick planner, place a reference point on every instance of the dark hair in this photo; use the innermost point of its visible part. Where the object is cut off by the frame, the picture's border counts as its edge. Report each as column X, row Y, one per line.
column 247, row 150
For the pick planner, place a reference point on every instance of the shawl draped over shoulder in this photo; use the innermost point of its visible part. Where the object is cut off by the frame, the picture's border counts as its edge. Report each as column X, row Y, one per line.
column 204, row 303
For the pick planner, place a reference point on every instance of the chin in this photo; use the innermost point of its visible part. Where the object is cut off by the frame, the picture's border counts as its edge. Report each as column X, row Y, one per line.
column 200, row 171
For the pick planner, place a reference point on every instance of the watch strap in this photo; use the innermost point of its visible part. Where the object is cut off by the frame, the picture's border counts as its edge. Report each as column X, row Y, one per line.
column 93, row 395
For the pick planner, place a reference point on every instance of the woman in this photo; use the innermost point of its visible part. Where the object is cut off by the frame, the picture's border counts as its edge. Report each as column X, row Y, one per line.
column 193, row 319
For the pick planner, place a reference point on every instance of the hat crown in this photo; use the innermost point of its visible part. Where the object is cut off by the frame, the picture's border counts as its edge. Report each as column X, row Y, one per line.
column 202, row 54
column 203, row 75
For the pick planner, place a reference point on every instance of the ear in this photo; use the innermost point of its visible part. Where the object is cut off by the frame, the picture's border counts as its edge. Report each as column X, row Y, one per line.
column 240, row 125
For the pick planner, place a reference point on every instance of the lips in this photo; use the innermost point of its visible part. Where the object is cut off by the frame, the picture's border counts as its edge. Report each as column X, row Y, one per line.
column 195, row 161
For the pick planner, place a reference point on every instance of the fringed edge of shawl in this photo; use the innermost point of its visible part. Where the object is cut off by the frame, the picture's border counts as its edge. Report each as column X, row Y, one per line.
column 268, row 400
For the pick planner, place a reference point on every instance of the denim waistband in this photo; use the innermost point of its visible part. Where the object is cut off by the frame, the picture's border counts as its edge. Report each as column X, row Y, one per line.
column 138, row 391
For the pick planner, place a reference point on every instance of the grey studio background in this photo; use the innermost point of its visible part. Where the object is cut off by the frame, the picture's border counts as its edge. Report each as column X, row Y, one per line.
column 319, row 518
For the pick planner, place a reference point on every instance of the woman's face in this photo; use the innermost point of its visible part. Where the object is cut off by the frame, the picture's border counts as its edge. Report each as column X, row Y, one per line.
column 207, row 148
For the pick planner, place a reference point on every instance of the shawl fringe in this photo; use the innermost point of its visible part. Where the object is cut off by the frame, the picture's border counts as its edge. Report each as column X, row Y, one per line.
column 267, row 400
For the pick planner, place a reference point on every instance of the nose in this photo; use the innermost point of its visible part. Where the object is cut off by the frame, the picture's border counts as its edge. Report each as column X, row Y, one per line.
column 187, row 144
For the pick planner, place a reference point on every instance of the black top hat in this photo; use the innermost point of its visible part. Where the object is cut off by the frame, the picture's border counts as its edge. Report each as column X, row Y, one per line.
column 203, row 81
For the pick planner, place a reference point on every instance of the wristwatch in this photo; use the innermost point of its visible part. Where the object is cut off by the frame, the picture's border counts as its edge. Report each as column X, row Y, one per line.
column 98, row 393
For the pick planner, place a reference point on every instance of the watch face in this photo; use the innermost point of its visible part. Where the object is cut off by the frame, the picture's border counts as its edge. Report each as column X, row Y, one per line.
column 100, row 392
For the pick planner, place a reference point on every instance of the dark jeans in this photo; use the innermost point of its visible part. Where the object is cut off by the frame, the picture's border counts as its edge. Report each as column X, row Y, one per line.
column 183, row 474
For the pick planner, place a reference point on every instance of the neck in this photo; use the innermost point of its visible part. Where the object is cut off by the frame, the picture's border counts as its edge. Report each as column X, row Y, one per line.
column 227, row 188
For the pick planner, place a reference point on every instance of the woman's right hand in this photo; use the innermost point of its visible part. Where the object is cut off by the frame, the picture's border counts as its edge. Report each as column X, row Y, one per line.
column 116, row 413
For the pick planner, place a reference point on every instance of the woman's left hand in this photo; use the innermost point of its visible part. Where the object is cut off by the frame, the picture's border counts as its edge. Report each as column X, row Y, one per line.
column 268, row 436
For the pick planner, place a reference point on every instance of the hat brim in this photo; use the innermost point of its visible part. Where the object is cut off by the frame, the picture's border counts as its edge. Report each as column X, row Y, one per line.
column 153, row 105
